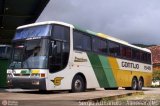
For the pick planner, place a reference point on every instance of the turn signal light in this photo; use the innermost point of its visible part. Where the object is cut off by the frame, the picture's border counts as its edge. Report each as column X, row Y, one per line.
column 43, row 75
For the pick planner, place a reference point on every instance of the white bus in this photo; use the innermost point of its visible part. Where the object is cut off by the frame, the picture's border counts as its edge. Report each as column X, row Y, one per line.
column 59, row 56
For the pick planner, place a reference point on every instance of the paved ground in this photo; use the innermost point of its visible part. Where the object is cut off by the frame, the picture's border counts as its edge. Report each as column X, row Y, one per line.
column 36, row 95
column 36, row 98
column 151, row 97
column 149, row 94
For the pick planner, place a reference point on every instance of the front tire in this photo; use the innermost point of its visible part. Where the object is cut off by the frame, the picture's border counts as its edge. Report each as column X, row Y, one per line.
column 78, row 84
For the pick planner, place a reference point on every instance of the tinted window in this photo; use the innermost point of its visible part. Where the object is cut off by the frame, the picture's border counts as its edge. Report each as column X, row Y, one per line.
column 32, row 32
column 99, row 45
column 59, row 55
column 126, row 52
column 136, row 54
column 141, row 56
column 81, row 41
column 114, row 49
column 8, row 54
column 144, row 57
column 2, row 51
column 60, row 32
column 148, row 58
column 59, row 48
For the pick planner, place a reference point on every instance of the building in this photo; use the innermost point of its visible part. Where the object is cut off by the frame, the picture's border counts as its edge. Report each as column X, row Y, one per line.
column 156, row 61
column 155, row 57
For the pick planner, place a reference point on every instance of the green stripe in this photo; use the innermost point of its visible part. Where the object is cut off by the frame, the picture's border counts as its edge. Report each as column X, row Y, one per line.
column 86, row 31
column 108, row 71
column 98, row 69
column 102, row 70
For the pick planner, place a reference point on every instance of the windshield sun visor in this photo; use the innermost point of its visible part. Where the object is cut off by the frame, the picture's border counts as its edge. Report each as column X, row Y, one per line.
column 32, row 32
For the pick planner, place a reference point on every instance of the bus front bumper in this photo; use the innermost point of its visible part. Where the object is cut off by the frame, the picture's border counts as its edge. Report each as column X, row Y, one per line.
column 26, row 83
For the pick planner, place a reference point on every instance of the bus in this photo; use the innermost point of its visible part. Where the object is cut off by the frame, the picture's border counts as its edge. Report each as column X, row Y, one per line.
column 5, row 52
column 55, row 55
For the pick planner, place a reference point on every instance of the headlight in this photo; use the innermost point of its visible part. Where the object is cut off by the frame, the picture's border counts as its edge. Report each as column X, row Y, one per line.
column 36, row 75
column 14, row 72
column 9, row 74
column 42, row 75
column 9, row 71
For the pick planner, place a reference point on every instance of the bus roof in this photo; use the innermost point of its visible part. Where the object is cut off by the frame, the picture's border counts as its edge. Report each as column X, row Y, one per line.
column 122, row 42
column 45, row 23
column 87, row 31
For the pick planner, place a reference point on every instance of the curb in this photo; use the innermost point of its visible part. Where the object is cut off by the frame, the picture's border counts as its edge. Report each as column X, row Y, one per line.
column 3, row 89
column 113, row 97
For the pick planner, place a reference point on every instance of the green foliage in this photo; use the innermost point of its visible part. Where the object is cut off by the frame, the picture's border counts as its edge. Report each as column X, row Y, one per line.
column 156, row 75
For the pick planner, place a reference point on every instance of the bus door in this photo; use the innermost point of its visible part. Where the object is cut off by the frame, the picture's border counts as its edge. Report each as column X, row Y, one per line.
column 59, row 55
column 59, row 48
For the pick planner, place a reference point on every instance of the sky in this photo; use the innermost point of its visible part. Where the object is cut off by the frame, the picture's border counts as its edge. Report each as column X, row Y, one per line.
column 135, row 21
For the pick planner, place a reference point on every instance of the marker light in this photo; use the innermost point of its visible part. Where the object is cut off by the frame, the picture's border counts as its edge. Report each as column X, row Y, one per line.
column 43, row 75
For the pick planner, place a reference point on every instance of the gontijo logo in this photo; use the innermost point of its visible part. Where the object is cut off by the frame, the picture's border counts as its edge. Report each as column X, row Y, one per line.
column 57, row 81
column 133, row 66
column 130, row 65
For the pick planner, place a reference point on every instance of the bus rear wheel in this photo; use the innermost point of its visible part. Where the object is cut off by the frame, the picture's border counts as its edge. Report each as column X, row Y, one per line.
column 140, row 84
column 134, row 85
column 78, row 84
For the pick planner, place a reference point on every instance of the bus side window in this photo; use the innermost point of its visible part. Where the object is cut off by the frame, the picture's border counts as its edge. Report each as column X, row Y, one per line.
column 136, row 55
column 100, row 46
column 81, row 41
column 8, row 53
column 60, row 33
column 126, row 52
column 114, row 49
column 149, row 58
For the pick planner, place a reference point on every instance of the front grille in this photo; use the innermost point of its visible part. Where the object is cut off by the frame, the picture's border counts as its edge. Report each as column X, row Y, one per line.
column 21, row 74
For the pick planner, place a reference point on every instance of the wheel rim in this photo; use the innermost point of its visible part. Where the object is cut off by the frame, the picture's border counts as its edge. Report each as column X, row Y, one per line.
column 140, row 84
column 78, row 85
column 134, row 84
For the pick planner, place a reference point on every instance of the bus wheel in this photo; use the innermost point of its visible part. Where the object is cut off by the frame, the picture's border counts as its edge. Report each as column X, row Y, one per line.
column 140, row 84
column 134, row 84
column 78, row 84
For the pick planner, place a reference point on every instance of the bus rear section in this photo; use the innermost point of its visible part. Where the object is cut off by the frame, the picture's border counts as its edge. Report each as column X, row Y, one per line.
column 115, row 63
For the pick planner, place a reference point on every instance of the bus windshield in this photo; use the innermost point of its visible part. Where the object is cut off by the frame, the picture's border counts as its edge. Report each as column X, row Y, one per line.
column 30, row 54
